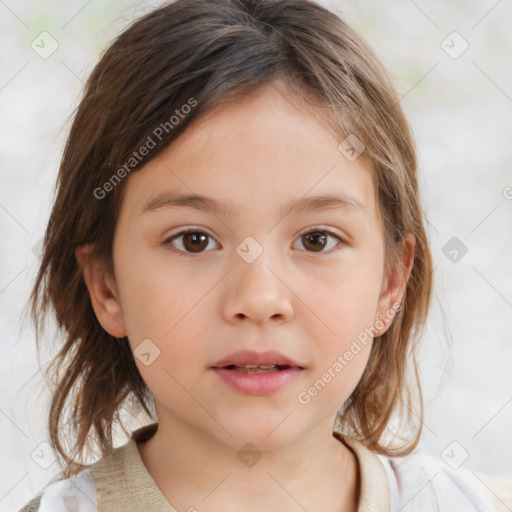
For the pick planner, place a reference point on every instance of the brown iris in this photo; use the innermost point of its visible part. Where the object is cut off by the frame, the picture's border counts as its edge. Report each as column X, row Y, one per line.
column 316, row 240
column 195, row 241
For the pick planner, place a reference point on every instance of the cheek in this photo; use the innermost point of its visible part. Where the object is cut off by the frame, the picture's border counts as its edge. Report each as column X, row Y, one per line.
column 346, row 299
column 163, row 305
column 341, row 351
column 154, row 296
column 344, row 308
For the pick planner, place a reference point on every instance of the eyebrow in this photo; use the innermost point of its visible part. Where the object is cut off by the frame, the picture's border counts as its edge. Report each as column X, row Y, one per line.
column 227, row 208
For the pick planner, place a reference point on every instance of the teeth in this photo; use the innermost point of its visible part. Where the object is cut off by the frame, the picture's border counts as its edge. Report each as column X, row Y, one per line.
column 254, row 366
column 255, row 370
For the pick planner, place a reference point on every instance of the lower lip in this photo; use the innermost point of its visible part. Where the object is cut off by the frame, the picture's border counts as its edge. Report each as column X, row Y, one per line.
column 257, row 384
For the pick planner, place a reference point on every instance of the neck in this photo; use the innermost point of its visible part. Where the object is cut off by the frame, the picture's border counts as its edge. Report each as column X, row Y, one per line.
column 315, row 472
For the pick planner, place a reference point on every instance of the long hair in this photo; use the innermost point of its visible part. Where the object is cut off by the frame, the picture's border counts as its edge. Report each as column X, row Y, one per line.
column 202, row 53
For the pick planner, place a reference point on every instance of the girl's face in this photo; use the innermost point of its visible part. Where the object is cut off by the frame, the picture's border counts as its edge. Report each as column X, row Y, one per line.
column 250, row 278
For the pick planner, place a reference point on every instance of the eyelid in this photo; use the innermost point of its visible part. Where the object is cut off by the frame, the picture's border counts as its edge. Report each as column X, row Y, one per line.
column 334, row 232
column 309, row 229
column 327, row 229
column 189, row 229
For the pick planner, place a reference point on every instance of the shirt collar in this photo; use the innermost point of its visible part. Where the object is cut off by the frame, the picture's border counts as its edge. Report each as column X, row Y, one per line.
column 374, row 495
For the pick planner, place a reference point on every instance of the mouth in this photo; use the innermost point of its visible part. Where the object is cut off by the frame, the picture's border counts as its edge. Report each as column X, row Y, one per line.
column 257, row 373
column 250, row 361
column 258, row 380
column 255, row 368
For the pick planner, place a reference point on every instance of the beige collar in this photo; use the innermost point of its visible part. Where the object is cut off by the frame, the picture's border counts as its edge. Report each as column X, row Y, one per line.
column 374, row 492
column 124, row 484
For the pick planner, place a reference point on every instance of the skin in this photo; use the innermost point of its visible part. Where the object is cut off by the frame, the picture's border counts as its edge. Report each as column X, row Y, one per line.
column 201, row 307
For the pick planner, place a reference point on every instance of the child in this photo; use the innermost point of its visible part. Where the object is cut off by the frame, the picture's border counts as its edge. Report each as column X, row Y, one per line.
column 237, row 240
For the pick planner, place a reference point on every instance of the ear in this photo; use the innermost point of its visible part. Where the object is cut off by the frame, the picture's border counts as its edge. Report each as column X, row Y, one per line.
column 102, row 290
column 394, row 284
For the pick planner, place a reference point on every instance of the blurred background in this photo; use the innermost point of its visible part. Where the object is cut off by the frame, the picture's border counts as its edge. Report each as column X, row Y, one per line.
column 450, row 62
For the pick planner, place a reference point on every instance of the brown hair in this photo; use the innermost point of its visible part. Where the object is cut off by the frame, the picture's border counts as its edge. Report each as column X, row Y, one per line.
column 215, row 51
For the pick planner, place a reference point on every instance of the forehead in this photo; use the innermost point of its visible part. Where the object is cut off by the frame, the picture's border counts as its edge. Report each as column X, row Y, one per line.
column 264, row 149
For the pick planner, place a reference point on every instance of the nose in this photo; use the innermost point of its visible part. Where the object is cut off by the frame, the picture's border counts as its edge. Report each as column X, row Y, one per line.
column 257, row 293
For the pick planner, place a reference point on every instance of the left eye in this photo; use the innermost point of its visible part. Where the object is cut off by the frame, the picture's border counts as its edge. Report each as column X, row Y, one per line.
column 319, row 240
column 195, row 242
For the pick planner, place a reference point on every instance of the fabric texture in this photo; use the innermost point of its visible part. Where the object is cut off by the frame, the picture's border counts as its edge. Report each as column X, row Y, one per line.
column 414, row 483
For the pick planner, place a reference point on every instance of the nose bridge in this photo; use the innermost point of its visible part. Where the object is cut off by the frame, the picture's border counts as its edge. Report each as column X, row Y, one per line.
column 257, row 288
column 257, row 263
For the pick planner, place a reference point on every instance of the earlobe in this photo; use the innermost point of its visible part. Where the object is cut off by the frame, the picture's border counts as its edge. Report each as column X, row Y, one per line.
column 395, row 283
column 104, row 297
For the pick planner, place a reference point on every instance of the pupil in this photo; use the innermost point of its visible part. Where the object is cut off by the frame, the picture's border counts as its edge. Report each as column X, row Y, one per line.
column 315, row 238
column 198, row 241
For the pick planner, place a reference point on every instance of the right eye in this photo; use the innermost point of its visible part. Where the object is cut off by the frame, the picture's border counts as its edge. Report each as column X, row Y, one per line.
column 193, row 241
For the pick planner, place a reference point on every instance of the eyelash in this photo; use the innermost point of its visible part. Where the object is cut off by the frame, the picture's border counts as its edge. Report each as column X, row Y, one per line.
column 168, row 241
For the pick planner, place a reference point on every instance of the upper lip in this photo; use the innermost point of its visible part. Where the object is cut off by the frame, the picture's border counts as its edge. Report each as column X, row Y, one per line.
column 268, row 358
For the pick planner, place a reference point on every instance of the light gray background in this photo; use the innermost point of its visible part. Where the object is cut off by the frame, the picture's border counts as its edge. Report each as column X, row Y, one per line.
column 460, row 109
